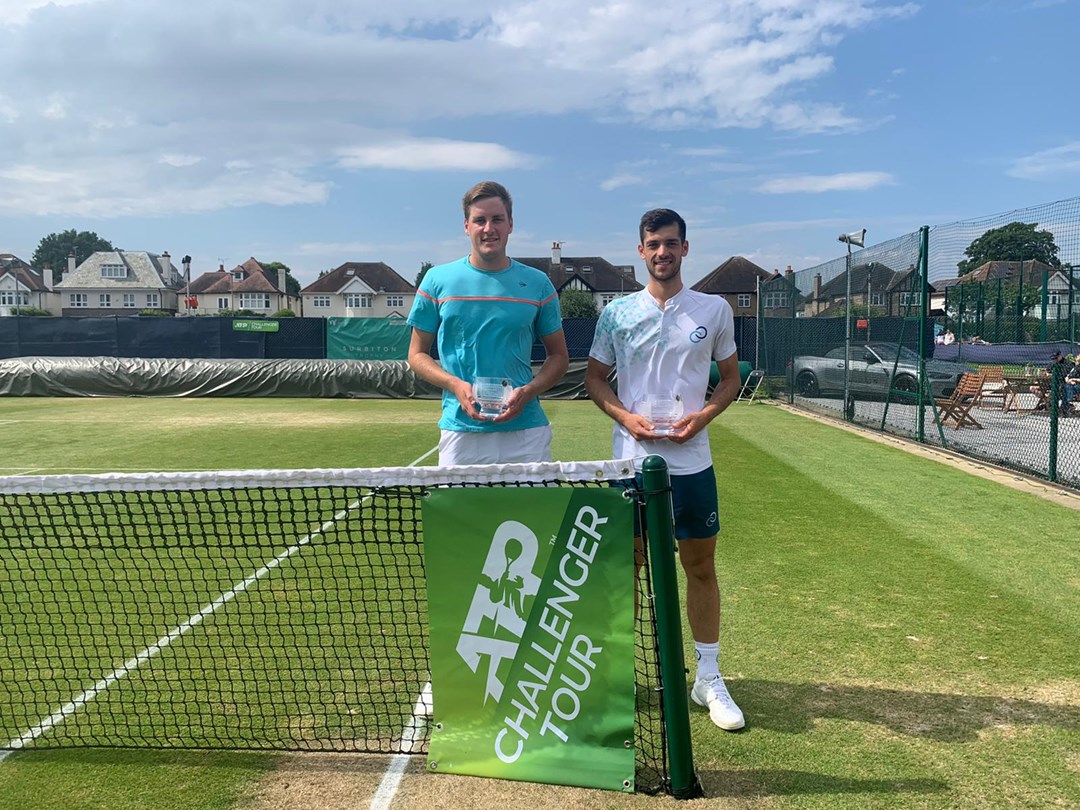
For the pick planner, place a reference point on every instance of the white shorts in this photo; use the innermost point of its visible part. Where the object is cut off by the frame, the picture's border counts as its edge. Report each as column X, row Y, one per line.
column 504, row 447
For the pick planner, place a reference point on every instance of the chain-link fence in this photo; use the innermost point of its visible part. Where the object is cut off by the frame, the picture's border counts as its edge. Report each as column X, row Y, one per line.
column 931, row 337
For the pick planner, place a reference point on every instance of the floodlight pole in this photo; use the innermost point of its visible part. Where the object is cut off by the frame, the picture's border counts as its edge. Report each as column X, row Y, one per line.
column 855, row 238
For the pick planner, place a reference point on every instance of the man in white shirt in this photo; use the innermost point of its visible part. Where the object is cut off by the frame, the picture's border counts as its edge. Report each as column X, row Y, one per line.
column 663, row 341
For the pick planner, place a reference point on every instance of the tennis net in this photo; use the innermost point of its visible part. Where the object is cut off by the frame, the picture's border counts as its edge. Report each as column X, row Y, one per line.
column 279, row 610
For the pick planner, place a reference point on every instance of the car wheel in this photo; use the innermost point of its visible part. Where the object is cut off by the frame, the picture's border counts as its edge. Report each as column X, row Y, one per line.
column 806, row 384
column 905, row 384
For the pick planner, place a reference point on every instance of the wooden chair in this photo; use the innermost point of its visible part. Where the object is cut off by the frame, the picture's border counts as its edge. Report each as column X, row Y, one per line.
column 992, row 386
column 957, row 408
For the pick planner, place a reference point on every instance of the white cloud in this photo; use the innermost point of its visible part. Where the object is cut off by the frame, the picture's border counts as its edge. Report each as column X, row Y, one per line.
column 1048, row 164
column 17, row 12
column 621, row 180
column 424, row 154
column 178, row 160
column 114, row 187
column 809, row 183
column 271, row 95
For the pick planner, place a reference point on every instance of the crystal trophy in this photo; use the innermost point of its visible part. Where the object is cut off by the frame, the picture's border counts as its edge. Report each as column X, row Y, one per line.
column 492, row 394
column 663, row 410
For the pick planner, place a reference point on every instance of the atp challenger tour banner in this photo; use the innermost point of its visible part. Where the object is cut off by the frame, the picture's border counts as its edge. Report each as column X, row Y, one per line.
column 530, row 598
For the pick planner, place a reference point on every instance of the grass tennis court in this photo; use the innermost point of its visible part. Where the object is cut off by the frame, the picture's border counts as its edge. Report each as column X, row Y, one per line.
column 899, row 633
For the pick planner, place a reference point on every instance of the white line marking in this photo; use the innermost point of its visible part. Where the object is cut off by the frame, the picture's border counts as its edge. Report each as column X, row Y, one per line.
column 145, row 655
column 412, row 734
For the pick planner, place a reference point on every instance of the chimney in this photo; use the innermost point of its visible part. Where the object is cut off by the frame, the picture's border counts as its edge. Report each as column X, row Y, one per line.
column 556, row 252
column 221, row 267
column 281, row 282
column 788, row 271
column 817, row 285
column 166, row 267
column 47, row 277
column 71, row 262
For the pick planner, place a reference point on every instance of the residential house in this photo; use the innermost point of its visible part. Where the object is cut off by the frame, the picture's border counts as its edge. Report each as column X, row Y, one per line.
column 359, row 290
column 737, row 280
column 247, row 286
column 119, row 282
column 597, row 276
column 876, row 290
column 1030, row 274
column 22, row 286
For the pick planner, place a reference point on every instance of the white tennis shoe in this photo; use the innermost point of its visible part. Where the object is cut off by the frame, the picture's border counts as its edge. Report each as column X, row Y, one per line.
column 712, row 693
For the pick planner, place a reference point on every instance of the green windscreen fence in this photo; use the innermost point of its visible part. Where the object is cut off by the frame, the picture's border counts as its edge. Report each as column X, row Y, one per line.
column 367, row 339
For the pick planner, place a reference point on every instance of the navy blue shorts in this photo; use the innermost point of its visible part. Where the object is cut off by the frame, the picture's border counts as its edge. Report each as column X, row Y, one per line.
column 694, row 504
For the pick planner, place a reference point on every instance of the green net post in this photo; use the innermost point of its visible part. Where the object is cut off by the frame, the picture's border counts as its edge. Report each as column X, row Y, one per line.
column 658, row 516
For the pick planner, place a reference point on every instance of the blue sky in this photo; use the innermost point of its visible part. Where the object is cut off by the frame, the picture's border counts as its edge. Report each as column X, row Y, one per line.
column 325, row 131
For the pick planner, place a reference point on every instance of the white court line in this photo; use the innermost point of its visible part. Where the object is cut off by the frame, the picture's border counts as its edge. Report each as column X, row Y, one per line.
column 410, row 735
column 68, row 709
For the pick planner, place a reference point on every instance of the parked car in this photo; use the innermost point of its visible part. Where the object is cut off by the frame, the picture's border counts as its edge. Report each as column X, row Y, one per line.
column 871, row 368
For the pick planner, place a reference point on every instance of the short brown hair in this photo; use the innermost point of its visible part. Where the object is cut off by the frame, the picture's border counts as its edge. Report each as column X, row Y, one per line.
column 485, row 190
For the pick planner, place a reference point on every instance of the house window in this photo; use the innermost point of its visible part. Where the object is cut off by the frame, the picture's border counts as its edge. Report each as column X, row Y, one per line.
column 238, row 275
column 104, row 300
column 396, row 301
column 908, row 299
column 358, row 300
column 77, row 300
column 586, row 268
column 250, row 300
column 744, row 301
column 223, row 303
column 607, row 298
column 14, row 298
column 113, row 271
column 320, row 301
column 129, row 300
column 877, row 299
column 153, row 300
column 777, row 299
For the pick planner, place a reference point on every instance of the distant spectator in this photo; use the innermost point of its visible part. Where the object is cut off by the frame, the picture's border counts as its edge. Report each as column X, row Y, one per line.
column 978, row 341
column 948, row 338
column 1055, row 374
column 1071, row 389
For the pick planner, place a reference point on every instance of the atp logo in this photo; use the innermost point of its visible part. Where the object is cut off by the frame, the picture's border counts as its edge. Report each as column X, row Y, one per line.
column 699, row 334
column 496, row 619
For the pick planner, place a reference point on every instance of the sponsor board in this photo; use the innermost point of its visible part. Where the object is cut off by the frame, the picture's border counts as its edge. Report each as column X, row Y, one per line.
column 530, row 599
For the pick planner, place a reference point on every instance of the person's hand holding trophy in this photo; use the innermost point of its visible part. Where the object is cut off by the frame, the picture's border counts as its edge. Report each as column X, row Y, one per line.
column 663, row 411
column 492, row 395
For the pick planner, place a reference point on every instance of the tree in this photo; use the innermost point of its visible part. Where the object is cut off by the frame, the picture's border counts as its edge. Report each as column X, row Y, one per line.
column 424, row 267
column 292, row 286
column 55, row 248
column 1014, row 242
column 578, row 304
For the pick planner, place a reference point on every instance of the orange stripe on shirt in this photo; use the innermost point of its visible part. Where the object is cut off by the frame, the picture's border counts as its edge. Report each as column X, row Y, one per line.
column 491, row 298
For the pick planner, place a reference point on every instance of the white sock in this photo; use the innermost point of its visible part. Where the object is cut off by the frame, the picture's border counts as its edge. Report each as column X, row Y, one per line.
column 707, row 655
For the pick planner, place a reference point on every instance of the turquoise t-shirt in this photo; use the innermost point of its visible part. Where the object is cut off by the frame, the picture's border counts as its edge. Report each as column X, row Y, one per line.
column 486, row 323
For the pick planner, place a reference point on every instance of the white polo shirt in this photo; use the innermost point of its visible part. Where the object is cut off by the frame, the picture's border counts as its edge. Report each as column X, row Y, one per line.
column 667, row 350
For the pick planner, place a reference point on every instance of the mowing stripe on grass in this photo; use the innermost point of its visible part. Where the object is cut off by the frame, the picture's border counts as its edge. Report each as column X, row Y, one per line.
column 133, row 663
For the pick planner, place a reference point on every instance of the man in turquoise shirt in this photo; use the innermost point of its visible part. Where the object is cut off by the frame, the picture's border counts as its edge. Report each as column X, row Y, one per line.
column 484, row 312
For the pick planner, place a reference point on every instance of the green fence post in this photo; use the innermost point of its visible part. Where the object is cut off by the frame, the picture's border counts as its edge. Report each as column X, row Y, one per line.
column 658, row 516
column 924, row 313
column 1056, row 382
column 1045, row 303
